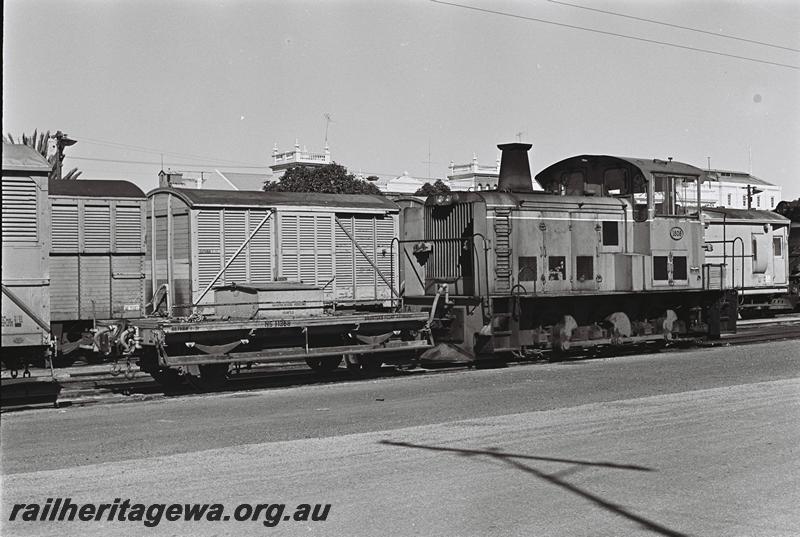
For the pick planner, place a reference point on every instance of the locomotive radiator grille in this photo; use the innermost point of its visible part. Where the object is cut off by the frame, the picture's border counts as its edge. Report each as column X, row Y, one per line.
column 453, row 223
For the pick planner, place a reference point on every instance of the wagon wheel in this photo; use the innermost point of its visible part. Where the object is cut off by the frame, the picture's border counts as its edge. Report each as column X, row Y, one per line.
column 65, row 360
column 168, row 378
column 212, row 376
column 324, row 364
column 91, row 357
column 364, row 366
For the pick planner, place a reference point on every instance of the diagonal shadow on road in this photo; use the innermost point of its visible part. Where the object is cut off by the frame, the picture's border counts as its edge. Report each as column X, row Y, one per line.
column 513, row 460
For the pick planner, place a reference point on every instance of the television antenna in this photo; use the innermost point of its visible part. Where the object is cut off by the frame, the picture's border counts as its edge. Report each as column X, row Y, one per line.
column 328, row 121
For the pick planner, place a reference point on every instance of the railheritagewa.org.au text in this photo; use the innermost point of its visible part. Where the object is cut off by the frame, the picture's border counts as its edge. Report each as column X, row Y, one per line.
column 152, row 514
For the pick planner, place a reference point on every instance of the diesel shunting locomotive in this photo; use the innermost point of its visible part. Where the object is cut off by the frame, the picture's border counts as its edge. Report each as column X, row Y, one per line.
column 613, row 250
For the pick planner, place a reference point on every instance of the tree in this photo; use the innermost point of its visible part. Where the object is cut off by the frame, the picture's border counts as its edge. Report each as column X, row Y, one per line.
column 331, row 179
column 432, row 189
column 789, row 209
column 40, row 143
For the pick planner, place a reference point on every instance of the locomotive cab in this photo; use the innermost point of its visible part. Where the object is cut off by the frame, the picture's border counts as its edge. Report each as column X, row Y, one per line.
column 664, row 196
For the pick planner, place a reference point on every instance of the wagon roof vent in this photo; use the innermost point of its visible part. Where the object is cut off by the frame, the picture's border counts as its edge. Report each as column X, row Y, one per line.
column 515, row 170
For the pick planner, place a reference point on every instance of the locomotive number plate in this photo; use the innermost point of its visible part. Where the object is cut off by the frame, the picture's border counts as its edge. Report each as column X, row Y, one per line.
column 676, row 233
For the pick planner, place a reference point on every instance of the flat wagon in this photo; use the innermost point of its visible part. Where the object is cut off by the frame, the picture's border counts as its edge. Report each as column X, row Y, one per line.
column 241, row 277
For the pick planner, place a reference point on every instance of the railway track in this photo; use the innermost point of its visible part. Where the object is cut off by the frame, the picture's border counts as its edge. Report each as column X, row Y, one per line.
column 82, row 385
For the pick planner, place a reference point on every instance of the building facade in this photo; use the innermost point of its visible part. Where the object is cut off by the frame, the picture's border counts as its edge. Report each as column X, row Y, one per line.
column 473, row 176
column 730, row 189
column 282, row 161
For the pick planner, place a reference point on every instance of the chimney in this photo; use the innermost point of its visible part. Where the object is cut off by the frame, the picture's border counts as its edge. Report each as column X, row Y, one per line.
column 169, row 179
column 515, row 171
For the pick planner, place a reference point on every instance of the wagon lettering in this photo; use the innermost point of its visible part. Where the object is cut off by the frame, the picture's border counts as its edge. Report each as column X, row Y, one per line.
column 277, row 323
column 676, row 233
column 12, row 321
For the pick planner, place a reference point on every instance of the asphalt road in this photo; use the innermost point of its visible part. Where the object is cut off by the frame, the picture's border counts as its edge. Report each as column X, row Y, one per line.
column 697, row 443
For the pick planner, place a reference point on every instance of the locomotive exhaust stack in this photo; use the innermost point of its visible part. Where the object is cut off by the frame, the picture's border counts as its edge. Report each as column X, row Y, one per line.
column 515, row 170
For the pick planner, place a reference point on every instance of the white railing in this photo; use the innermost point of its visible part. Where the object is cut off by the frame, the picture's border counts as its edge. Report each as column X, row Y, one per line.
column 301, row 156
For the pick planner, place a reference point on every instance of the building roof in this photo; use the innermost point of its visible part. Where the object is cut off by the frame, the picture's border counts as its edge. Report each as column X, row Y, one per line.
column 727, row 176
column 246, row 181
column 19, row 157
column 220, row 198
column 402, row 184
column 218, row 180
column 744, row 215
column 94, row 188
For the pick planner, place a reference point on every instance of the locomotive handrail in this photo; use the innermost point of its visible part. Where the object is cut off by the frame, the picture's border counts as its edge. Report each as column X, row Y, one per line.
column 733, row 254
column 741, row 256
column 391, row 258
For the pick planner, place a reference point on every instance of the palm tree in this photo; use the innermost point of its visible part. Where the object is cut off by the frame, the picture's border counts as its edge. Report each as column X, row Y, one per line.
column 40, row 143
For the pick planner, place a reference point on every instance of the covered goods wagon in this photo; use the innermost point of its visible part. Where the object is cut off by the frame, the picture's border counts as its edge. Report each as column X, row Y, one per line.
column 26, row 264
column 204, row 239
column 96, row 256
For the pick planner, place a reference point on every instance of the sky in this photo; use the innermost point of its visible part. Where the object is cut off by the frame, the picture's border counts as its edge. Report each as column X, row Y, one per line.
column 409, row 86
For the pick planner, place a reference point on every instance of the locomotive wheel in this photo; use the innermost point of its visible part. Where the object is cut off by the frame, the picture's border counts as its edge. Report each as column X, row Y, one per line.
column 325, row 364
column 562, row 334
